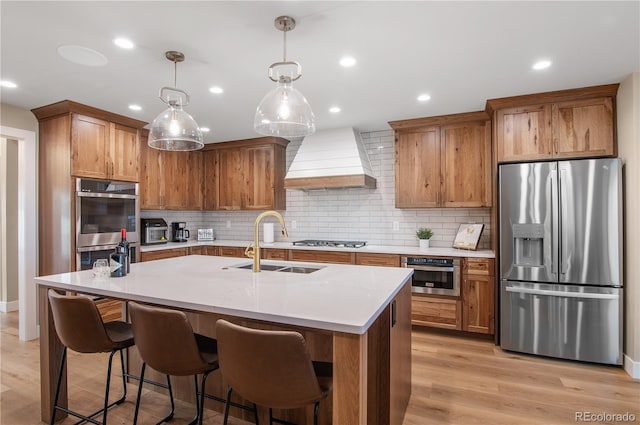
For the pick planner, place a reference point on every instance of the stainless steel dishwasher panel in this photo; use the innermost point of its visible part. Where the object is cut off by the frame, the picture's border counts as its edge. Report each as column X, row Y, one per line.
column 567, row 321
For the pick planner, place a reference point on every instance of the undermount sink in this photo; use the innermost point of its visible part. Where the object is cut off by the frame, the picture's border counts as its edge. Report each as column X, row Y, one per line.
column 276, row 268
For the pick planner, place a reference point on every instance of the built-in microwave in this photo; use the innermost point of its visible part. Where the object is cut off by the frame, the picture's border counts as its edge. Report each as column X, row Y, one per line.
column 438, row 276
column 102, row 209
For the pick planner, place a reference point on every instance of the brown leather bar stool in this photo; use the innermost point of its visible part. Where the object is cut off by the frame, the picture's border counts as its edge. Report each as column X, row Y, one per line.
column 271, row 368
column 167, row 343
column 80, row 328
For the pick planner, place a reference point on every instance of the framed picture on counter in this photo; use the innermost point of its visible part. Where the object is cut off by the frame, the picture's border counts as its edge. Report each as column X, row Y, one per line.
column 468, row 236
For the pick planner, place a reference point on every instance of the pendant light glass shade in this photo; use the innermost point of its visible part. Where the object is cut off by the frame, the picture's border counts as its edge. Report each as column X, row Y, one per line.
column 284, row 112
column 174, row 129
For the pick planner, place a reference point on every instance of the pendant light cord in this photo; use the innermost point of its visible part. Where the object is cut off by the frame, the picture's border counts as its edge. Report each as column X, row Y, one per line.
column 284, row 49
column 175, row 73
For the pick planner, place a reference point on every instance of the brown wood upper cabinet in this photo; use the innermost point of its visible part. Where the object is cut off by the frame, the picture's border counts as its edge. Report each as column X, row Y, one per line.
column 245, row 174
column 170, row 180
column 564, row 124
column 443, row 161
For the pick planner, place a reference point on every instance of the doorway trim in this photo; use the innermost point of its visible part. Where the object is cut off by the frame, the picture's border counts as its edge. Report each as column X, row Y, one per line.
column 27, row 230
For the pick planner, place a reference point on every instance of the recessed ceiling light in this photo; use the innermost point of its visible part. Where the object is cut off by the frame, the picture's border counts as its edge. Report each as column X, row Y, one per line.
column 216, row 90
column 334, row 109
column 82, row 55
column 543, row 64
column 135, row 107
column 8, row 84
column 347, row 61
column 205, row 129
column 424, row 97
column 124, row 43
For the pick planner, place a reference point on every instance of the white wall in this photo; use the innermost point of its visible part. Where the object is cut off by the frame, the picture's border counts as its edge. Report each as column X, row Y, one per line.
column 346, row 214
column 628, row 115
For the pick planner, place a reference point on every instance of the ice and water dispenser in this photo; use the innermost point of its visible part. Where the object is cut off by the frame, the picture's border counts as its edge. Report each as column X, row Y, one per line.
column 528, row 244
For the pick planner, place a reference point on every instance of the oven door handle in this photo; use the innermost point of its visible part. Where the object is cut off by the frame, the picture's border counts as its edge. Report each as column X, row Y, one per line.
column 95, row 248
column 432, row 269
column 105, row 195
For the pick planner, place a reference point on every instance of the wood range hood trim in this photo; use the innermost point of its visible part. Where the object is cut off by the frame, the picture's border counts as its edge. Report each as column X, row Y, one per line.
column 331, row 159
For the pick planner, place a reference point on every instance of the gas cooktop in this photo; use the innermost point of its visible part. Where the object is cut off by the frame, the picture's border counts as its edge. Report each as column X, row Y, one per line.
column 332, row 244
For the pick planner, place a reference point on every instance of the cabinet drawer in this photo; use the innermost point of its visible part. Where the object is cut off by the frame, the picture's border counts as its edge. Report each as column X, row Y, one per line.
column 322, row 256
column 231, row 251
column 274, row 254
column 478, row 266
column 366, row 259
column 436, row 312
column 165, row 253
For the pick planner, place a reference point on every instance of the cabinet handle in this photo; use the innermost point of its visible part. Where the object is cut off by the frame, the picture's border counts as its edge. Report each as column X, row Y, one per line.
column 393, row 313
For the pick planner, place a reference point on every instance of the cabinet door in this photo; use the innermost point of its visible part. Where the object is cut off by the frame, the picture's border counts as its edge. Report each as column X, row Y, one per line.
column 193, row 183
column 123, row 153
column 583, row 128
column 435, row 312
column 229, row 181
column 197, row 250
column 175, row 175
column 209, row 173
column 523, row 133
column 258, row 170
column 466, row 165
column 478, row 298
column 418, row 169
column 151, row 176
column 89, row 144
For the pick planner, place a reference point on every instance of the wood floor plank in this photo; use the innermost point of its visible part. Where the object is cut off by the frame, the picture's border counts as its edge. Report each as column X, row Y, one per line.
column 456, row 380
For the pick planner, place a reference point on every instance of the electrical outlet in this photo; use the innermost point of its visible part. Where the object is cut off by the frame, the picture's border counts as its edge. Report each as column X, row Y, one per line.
column 294, row 224
column 396, row 226
column 228, row 224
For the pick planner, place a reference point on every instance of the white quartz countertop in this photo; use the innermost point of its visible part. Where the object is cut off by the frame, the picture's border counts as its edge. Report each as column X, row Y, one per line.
column 341, row 298
column 379, row 249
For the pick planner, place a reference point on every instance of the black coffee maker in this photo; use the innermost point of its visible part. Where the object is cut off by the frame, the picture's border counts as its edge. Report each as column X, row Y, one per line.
column 179, row 232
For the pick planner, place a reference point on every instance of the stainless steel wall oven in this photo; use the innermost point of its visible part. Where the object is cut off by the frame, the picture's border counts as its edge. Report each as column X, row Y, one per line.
column 438, row 276
column 102, row 209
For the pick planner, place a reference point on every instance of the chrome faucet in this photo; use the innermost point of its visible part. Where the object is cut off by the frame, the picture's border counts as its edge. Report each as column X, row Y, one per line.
column 255, row 251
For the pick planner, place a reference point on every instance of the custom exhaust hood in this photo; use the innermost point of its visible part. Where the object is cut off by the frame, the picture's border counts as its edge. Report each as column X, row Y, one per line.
column 330, row 159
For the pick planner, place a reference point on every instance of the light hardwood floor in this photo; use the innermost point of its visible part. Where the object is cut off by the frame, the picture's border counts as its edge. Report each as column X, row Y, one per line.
column 455, row 381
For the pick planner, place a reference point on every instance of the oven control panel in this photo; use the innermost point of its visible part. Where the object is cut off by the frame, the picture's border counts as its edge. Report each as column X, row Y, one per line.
column 433, row 262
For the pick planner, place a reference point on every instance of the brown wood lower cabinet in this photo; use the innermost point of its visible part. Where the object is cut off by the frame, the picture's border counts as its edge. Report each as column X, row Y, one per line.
column 164, row 253
column 197, row 250
column 230, row 251
column 334, row 257
column 436, row 312
column 372, row 259
column 274, row 254
column 109, row 309
column 478, row 295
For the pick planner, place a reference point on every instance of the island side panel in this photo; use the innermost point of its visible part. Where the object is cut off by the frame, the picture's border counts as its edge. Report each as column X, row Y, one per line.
column 400, row 355
column 50, row 358
column 350, row 379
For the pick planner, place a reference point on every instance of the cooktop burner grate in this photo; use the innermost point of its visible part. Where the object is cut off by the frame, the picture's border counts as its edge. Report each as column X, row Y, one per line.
column 331, row 244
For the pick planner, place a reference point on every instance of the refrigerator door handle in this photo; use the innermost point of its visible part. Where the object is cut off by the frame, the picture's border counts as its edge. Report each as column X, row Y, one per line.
column 554, row 223
column 546, row 292
column 564, row 262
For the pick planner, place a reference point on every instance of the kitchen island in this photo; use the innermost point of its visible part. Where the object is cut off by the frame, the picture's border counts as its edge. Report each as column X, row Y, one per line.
column 357, row 315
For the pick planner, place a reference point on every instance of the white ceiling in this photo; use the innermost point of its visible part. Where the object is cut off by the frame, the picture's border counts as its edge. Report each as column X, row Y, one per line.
column 461, row 53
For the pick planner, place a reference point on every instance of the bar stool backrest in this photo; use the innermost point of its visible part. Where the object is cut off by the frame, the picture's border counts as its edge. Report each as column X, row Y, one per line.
column 270, row 368
column 78, row 323
column 165, row 340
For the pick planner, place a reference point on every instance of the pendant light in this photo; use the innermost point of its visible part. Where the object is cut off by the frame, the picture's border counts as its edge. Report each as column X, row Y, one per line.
column 284, row 111
column 174, row 129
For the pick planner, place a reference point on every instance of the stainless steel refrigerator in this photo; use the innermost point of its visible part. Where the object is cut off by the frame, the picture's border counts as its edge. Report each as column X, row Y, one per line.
column 561, row 259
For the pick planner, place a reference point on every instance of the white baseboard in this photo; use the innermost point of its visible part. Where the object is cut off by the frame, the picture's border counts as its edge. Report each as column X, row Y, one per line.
column 632, row 367
column 6, row 307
